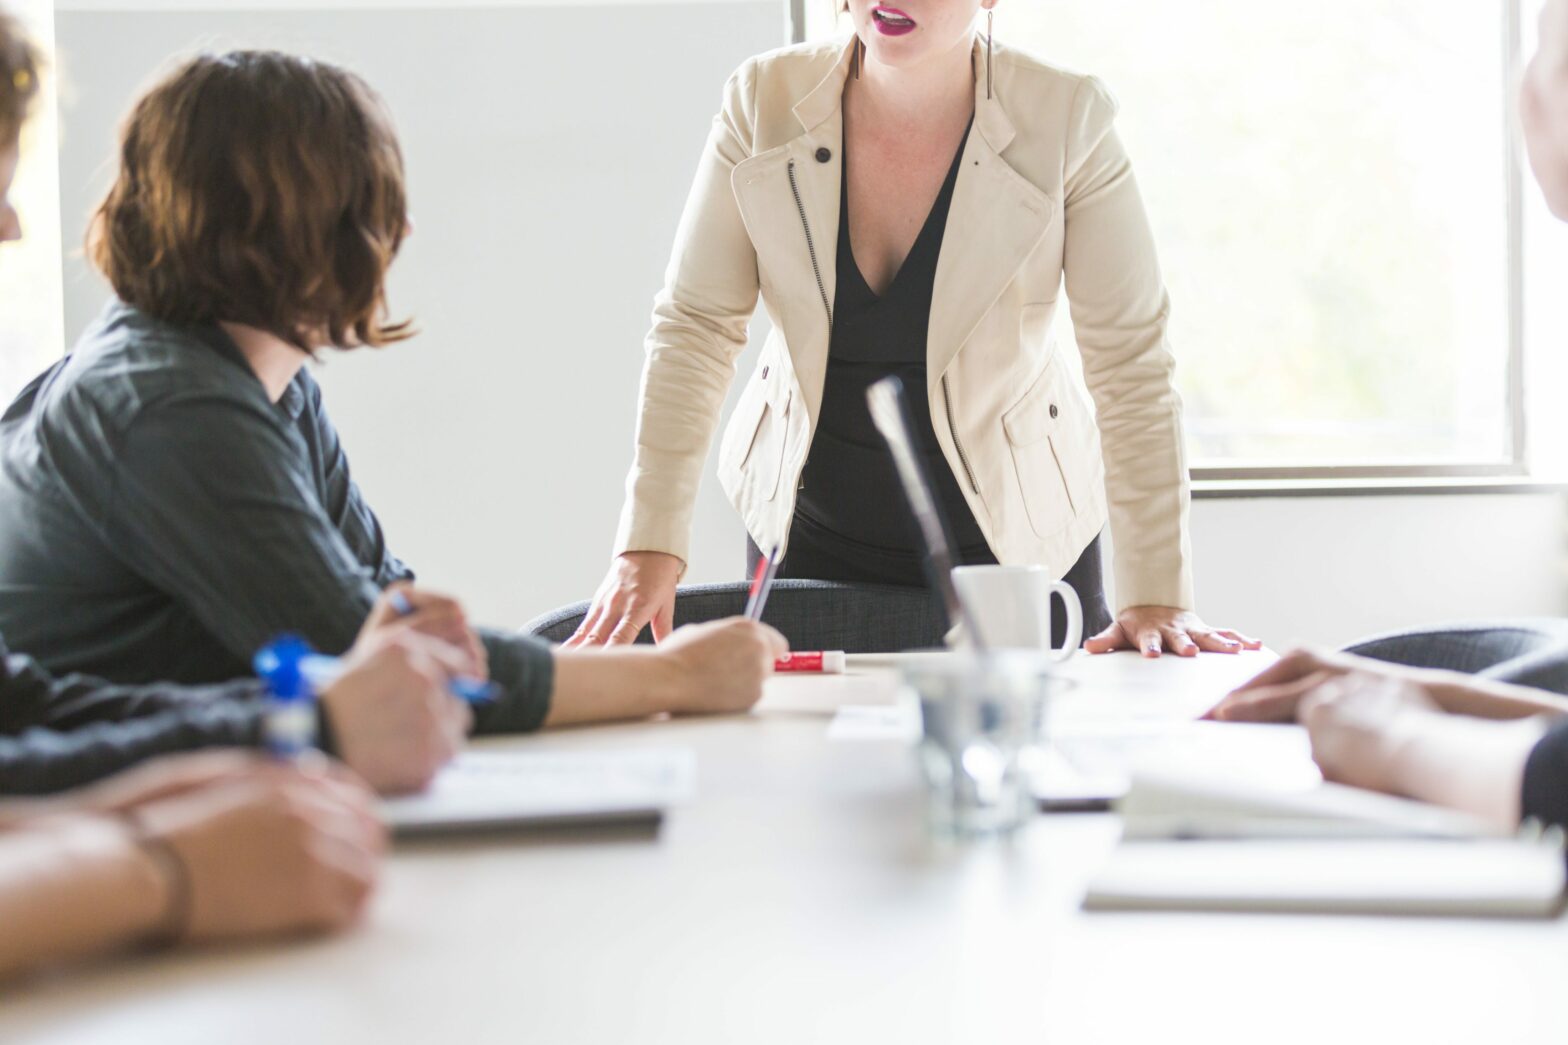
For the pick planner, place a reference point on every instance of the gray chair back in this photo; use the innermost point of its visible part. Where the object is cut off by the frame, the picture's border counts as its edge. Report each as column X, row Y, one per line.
column 813, row 615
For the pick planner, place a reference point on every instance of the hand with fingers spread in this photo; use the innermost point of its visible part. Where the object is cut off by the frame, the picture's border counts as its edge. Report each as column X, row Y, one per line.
column 1152, row 629
column 403, row 607
column 638, row 591
column 393, row 717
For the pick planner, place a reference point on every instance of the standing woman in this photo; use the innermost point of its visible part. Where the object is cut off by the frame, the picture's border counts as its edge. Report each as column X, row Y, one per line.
column 909, row 202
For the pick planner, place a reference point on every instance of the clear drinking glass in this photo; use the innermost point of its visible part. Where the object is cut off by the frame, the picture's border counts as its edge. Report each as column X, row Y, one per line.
column 982, row 724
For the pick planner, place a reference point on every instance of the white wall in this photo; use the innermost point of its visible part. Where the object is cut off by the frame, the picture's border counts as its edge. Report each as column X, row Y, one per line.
column 550, row 147
column 1329, row 570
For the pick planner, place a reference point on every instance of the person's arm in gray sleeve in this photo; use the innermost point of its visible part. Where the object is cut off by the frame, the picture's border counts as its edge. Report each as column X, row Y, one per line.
column 61, row 733
column 524, row 667
column 212, row 510
column 1545, row 787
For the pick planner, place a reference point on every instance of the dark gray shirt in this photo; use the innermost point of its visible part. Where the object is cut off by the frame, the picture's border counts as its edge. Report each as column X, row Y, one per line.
column 162, row 519
column 58, row 733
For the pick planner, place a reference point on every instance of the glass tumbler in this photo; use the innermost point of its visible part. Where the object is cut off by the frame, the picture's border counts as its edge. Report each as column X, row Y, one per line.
column 982, row 728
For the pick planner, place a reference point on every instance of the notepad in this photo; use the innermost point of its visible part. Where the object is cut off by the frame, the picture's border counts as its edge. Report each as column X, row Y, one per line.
column 1479, row 878
column 1208, row 845
column 1090, row 764
column 491, row 790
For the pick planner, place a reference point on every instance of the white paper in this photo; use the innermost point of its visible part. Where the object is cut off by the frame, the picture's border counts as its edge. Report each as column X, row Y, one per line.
column 494, row 788
column 1480, row 878
column 897, row 722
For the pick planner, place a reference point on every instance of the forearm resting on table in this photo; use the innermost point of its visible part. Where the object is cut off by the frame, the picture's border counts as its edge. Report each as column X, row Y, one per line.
column 605, row 685
column 1483, row 698
column 72, row 888
column 1469, row 764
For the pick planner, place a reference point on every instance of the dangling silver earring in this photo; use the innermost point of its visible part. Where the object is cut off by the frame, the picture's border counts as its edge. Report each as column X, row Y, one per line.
column 860, row 50
column 990, row 17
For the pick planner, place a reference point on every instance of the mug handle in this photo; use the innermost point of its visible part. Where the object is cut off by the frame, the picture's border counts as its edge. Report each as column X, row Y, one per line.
column 1074, row 620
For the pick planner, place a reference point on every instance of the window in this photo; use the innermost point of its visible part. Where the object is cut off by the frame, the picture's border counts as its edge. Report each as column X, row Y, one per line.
column 31, row 312
column 1336, row 197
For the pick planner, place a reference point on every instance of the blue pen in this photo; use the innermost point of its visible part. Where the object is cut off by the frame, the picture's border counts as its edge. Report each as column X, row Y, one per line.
column 471, row 690
column 289, row 719
column 295, row 674
column 322, row 671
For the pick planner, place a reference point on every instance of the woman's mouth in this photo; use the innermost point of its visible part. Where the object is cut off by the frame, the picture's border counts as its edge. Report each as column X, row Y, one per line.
column 890, row 21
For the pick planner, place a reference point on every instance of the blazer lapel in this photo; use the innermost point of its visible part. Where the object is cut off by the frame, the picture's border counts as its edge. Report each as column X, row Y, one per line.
column 789, row 200
column 997, row 219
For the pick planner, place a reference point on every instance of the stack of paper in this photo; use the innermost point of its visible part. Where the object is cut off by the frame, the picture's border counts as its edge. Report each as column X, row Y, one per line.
column 496, row 789
column 1190, row 846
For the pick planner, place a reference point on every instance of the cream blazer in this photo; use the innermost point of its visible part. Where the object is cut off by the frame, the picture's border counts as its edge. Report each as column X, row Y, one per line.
column 1045, row 194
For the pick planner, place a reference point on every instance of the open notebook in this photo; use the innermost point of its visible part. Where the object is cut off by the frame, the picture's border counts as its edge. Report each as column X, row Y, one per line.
column 489, row 790
column 1327, row 849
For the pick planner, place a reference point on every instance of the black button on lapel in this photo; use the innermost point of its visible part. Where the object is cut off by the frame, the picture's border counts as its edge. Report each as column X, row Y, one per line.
column 824, row 154
column 1053, row 411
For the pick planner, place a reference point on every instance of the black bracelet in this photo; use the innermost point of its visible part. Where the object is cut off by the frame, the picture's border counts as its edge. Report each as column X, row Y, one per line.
column 176, row 874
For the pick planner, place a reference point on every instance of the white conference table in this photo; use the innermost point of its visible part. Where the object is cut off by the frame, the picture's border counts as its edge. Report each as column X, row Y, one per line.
column 799, row 900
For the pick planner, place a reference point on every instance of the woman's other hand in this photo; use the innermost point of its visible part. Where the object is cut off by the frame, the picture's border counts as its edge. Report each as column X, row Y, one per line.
column 639, row 590
column 1153, row 629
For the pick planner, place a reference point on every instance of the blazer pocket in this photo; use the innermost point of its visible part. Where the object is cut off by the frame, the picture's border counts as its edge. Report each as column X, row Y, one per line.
column 764, row 460
column 1033, row 429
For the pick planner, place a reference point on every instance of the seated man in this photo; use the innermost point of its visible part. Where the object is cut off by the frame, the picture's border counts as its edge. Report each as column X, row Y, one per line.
column 173, row 494
column 1496, row 750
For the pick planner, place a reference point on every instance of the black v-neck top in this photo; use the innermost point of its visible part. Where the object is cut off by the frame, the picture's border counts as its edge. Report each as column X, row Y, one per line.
column 851, row 522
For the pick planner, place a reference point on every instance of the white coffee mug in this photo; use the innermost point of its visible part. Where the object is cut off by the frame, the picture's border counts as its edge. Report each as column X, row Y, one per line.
column 1011, row 605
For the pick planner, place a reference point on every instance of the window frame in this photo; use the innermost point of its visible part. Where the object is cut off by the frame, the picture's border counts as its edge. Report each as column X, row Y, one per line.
column 1512, row 470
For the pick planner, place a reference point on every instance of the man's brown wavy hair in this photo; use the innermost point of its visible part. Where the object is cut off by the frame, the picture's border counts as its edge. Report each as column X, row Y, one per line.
column 18, row 79
column 258, row 188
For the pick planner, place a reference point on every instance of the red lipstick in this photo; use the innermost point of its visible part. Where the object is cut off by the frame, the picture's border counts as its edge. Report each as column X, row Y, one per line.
column 890, row 21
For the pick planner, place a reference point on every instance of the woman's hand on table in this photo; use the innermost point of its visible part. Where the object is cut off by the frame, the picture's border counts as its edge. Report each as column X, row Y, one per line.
column 639, row 590
column 1154, row 629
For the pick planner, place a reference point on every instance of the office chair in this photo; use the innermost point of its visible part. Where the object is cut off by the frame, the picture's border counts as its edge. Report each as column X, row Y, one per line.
column 1527, row 652
column 813, row 615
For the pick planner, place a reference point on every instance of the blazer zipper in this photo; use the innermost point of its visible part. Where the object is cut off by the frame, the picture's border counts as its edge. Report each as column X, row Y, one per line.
column 816, row 268
column 963, row 458
column 811, row 247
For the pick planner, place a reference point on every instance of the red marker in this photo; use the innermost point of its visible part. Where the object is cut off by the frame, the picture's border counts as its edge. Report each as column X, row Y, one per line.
column 821, row 662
